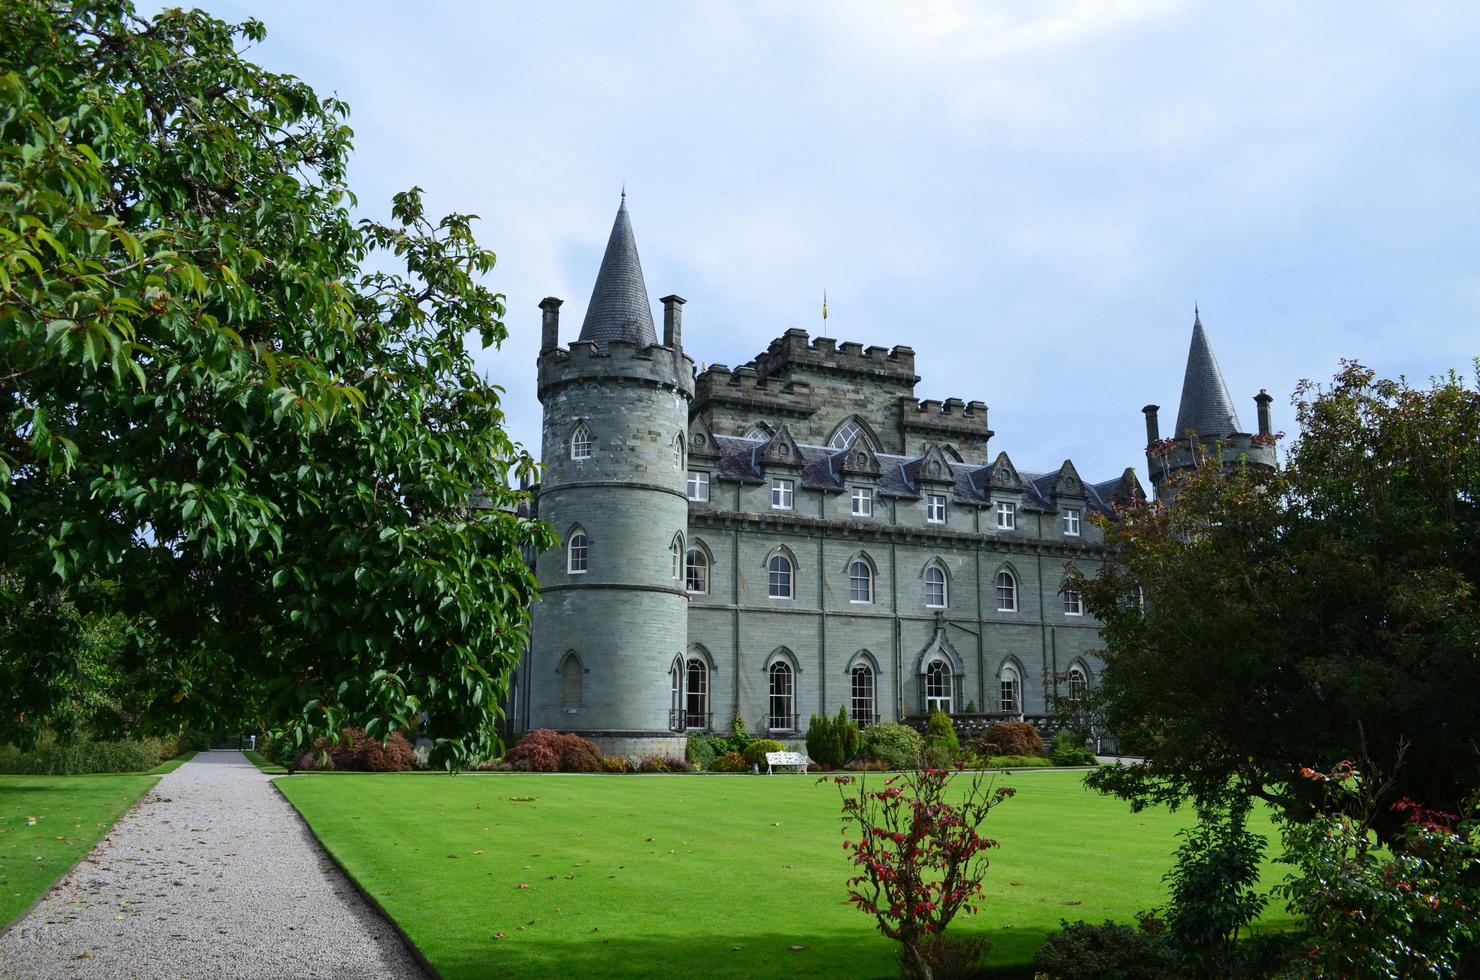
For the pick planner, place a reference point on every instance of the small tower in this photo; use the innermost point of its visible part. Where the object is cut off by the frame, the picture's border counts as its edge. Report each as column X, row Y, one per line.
column 1205, row 418
column 613, row 614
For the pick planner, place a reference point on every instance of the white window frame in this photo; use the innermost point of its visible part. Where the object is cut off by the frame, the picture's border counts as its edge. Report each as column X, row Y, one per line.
column 786, row 699
column 694, row 668
column 1010, row 690
column 844, row 437
column 863, row 501
column 1078, row 683
column 863, row 693
column 935, row 508
column 1073, row 602
column 945, row 587
column 680, row 458
column 1071, row 522
column 696, row 571
column 578, row 560
column 783, row 494
column 867, row 578
column 580, row 442
column 1012, row 591
column 940, row 679
column 677, row 551
column 698, row 486
column 1006, row 515
column 772, row 574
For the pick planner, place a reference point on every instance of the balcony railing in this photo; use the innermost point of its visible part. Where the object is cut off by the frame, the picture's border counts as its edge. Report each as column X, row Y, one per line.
column 680, row 720
column 782, row 723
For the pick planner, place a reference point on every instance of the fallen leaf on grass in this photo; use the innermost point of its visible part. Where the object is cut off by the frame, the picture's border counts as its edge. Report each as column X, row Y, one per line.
column 501, row 935
column 1015, row 884
column 523, row 885
column 452, row 855
column 478, row 851
column 31, row 822
column 522, row 799
column 794, row 948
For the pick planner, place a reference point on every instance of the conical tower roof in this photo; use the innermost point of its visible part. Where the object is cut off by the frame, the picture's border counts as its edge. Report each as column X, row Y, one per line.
column 1206, row 408
column 619, row 307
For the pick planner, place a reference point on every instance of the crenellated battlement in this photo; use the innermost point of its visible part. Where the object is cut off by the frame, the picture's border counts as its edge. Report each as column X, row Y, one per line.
column 745, row 387
column 795, row 351
column 959, row 422
column 615, row 359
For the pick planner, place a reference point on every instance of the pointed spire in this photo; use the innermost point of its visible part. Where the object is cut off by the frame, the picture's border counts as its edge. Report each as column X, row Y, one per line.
column 1206, row 408
column 619, row 307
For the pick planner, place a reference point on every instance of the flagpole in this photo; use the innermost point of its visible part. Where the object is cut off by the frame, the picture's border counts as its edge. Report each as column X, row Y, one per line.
column 824, row 313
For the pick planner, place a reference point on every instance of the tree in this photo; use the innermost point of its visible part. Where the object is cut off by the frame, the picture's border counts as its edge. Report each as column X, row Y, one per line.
column 1306, row 613
column 225, row 420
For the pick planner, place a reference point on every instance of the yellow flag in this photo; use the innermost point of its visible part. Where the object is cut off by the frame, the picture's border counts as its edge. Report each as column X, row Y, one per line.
column 824, row 304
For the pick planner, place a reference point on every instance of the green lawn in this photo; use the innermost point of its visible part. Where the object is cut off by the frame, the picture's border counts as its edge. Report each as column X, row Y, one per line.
column 71, row 814
column 718, row 876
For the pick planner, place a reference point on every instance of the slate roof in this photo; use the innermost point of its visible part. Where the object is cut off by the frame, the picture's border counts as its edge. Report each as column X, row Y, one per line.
column 619, row 307
column 1206, row 408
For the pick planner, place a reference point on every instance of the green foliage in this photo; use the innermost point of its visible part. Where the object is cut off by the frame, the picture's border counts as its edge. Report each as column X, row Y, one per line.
column 1068, row 749
column 833, row 742
column 1019, row 762
column 701, row 750
column 850, row 738
column 231, row 416
column 755, row 752
column 1214, row 888
column 897, row 746
column 1081, row 951
column 940, row 732
column 52, row 757
column 1333, row 599
column 195, row 740
column 729, row 762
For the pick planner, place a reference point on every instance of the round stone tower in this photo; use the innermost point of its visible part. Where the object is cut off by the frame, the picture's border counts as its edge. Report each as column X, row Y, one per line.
column 613, row 614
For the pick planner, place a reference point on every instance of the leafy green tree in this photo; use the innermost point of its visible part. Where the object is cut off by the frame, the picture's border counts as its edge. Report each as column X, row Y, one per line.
column 255, row 420
column 1308, row 613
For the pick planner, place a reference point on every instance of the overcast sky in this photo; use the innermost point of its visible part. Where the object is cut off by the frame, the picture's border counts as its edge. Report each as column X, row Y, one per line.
column 1032, row 195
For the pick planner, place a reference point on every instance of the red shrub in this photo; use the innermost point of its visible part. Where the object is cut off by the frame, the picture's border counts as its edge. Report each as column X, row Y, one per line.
column 1012, row 738
column 357, row 752
column 544, row 750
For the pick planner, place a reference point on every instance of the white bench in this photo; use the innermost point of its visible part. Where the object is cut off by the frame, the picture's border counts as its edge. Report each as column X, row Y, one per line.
column 797, row 759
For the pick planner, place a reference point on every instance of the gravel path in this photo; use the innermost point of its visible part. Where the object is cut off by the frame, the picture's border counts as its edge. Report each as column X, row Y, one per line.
column 213, row 874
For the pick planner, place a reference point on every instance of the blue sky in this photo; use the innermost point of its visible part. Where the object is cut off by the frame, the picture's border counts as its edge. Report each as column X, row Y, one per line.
column 1033, row 195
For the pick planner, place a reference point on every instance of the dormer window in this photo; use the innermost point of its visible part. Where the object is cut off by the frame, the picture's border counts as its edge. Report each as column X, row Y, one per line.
column 1006, row 515
column 863, row 501
column 698, row 485
column 580, row 442
column 1071, row 523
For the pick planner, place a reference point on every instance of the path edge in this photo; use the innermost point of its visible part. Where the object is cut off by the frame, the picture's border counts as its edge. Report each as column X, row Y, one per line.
column 369, row 899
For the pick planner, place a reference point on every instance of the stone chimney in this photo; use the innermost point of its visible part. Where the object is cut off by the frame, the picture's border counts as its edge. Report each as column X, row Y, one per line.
column 549, row 323
column 1153, row 430
column 1262, row 400
column 673, row 321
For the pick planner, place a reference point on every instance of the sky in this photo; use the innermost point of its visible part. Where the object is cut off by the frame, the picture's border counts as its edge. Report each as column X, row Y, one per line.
column 1032, row 195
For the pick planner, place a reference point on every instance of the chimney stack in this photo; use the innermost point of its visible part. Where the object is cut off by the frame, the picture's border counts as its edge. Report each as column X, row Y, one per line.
column 673, row 321
column 1262, row 400
column 549, row 323
column 1153, row 430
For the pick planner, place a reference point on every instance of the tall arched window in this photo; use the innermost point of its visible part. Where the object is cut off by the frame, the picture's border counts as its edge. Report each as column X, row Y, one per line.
column 783, row 698
column 759, row 430
column 675, row 698
column 696, row 694
column 938, row 687
column 580, row 442
column 1006, row 592
column 861, row 684
column 577, row 552
column 1012, row 690
column 935, row 587
column 860, row 581
column 780, row 577
column 1073, row 602
column 678, row 454
column 571, row 680
column 696, row 572
column 1078, row 683
column 845, row 435
column 676, row 553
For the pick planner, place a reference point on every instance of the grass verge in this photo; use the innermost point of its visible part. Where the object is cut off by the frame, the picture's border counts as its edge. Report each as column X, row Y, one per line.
column 622, row 876
column 47, row 824
column 260, row 761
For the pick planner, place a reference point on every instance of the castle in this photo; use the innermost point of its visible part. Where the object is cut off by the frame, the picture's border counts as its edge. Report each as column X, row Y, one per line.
column 801, row 533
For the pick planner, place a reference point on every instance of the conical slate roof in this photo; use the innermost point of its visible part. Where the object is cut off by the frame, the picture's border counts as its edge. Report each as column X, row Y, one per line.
column 1206, row 408
column 619, row 307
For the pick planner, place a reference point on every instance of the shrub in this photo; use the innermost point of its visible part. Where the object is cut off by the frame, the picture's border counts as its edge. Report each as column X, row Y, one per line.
column 1019, row 762
column 701, row 750
column 315, row 762
column 895, row 745
column 615, row 764
column 1012, row 738
column 543, row 750
column 358, row 752
column 52, row 757
column 1068, row 749
column 940, row 732
column 755, row 752
column 1214, row 888
column 194, row 740
column 659, row 763
column 832, row 742
column 729, row 762
column 1081, row 951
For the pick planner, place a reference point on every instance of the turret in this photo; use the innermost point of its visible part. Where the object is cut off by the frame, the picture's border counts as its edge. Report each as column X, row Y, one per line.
column 613, row 615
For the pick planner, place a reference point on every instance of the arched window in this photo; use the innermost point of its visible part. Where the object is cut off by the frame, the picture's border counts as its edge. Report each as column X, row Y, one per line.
column 696, row 572
column 1012, row 690
column 1073, row 602
column 696, row 693
column 758, row 431
column 935, row 587
column 780, row 576
column 938, row 687
column 1006, row 592
column 860, row 581
column 678, row 456
column 783, row 698
column 861, row 685
column 676, row 553
column 580, row 442
column 1078, row 683
column 577, row 552
column 675, row 698
column 850, row 430
column 571, row 679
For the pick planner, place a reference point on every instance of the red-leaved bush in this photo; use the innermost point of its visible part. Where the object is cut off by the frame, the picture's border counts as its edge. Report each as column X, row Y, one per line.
column 920, row 860
column 357, row 752
column 544, row 750
column 1011, row 738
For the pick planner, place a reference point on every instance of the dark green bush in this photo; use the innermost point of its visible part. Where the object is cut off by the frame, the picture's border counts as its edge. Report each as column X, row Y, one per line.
column 897, row 746
column 755, row 752
column 194, row 740
column 833, row 742
column 940, row 732
column 1068, row 749
column 729, row 762
column 701, row 750
column 82, row 756
column 1081, row 951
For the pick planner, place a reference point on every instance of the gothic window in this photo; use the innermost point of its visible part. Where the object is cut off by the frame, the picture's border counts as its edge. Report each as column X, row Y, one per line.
column 676, row 551
column 696, row 694
column 845, row 435
column 1011, row 687
column 1006, row 515
column 935, row 587
column 861, row 683
column 863, row 501
column 935, row 508
column 1071, row 523
column 780, row 577
column 758, row 431
column 938, row 687
column 698, row 486
column 1006, row 592
column 1139, row 594
column 678, row 456
column 675, row 697
column 577, row 552
column 1078, row 683
column 783, row 492
column 1073, row 602
column 571, row 678
column 696, row 572
column 580, row 442
column 860, row 581
column 782, row 716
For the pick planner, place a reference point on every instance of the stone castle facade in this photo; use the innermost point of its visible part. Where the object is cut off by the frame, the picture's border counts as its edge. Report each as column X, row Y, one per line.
column 797, row 534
